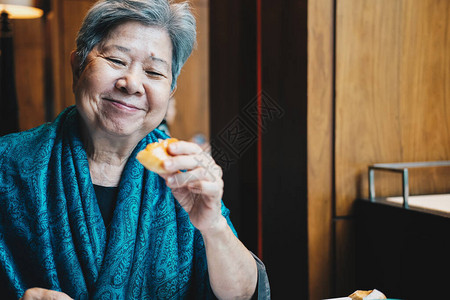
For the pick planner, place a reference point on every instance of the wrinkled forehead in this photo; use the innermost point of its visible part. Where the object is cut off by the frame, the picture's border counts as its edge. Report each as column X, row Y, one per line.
column 126, row 36
column 115, row 29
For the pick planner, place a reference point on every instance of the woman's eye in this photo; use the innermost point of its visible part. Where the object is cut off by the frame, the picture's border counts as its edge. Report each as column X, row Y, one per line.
column 153, row 73
column 116, row 61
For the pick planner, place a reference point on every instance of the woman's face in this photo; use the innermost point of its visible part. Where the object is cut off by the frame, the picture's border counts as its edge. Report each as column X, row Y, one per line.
column 124, row 88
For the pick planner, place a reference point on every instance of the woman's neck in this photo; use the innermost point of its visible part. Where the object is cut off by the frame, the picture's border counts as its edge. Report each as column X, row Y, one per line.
column 107, row 156
column 106, row 167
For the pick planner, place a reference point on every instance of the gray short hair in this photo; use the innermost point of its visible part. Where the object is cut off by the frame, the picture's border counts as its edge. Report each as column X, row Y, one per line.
column 176, row 18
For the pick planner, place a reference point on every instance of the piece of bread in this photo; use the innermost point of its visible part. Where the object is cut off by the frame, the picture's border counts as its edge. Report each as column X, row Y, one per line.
column 359, row 295
column 154, row 155
column 366, row 295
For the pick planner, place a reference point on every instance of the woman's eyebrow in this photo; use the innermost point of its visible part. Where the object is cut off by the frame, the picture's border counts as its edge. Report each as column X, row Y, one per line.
column 120, row 48
column 159, row 60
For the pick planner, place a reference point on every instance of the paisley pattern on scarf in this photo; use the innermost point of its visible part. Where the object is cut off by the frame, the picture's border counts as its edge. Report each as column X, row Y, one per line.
column 52, row 233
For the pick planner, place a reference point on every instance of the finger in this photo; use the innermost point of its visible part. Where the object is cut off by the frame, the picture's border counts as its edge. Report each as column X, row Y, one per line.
column 43, row 294
column 183, row 147
column 182, row 179
column 207, row 188
column 189, row 162
column 181, row 162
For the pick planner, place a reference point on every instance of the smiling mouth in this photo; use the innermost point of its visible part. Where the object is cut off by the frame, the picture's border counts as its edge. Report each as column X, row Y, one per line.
column 122, row 105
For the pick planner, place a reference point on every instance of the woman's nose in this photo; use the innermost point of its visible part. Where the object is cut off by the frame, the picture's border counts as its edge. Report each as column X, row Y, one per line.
column 131, row 82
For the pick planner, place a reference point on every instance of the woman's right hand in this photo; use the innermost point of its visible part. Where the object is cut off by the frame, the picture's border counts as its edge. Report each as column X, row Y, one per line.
column 43, row 294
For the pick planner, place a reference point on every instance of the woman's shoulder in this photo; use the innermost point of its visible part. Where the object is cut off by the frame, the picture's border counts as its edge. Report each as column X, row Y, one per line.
column 26, row 143
column 24, row 137
column 29, row 141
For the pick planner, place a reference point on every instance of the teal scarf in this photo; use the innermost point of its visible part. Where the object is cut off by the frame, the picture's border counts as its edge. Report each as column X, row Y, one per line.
column 52, row 233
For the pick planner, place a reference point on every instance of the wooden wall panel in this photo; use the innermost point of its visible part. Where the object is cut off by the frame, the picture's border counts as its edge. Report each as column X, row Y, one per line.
column 284, row 146
column 284, row 92
column 232, row 88
column 392, row 90
column 71, row 14
column 29, row 71
column 192, row 94
column 392, row 103
column 320, row 147
column 54, row 62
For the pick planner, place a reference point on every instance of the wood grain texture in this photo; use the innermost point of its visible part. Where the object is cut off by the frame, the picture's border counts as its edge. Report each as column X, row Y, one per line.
column 192, row 94
column 65, row 18
column 72, row 15
column 29, row 71
column 392, row 104
column 320, row 147
column 392, row 91
column 55, row 58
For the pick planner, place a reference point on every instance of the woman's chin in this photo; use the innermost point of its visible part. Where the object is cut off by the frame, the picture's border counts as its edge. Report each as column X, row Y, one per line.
column 123, row 129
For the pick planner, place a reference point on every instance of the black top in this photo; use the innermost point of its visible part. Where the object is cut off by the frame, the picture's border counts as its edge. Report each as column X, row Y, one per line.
column 106, row 198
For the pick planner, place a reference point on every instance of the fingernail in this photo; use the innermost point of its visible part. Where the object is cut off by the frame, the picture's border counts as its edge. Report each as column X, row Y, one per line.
column 173, row 146
column 170, row 180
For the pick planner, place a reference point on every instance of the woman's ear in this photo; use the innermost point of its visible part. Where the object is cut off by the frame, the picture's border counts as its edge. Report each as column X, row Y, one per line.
column 75, row 63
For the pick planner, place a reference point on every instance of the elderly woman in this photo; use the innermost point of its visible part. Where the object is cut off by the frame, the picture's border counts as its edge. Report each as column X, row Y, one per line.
column 81, row 217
